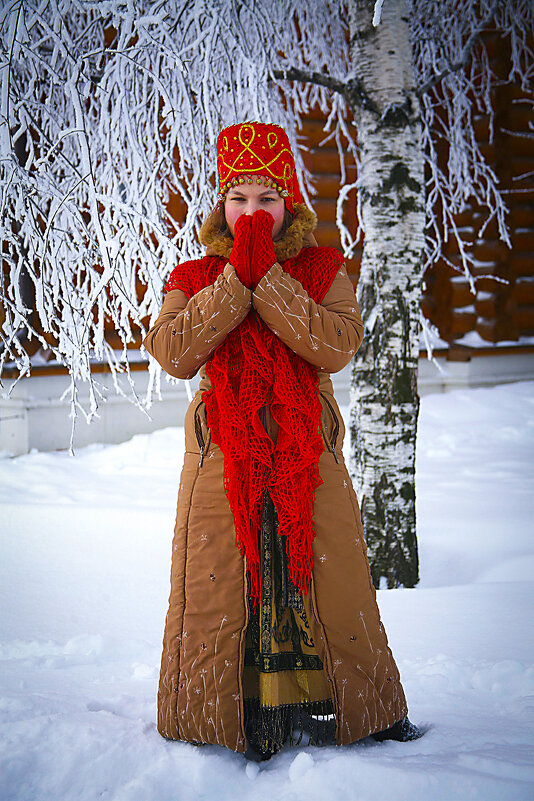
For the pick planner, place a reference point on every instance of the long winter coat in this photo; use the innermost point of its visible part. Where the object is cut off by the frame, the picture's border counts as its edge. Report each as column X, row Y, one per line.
column 200, row 696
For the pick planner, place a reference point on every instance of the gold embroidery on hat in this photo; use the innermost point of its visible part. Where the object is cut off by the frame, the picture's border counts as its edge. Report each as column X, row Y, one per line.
column 264, row 165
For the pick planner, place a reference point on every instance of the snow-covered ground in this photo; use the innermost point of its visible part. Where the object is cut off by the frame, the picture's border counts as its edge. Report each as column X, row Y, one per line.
column 84, row 578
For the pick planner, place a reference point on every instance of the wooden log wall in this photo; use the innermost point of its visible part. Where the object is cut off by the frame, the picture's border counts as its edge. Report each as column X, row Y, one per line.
column 502, row 306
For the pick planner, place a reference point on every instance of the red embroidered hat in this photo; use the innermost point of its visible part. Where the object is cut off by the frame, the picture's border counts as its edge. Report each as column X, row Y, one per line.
column 257, row 149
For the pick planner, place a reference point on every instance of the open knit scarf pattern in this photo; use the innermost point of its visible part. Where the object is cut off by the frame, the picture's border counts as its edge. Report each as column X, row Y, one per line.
column 250, row 370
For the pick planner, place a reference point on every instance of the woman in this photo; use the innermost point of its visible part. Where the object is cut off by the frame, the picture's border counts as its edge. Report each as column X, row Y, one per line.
column 272, row 622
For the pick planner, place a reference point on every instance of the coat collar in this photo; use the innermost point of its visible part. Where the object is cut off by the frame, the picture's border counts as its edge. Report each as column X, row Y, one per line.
column 298, row 235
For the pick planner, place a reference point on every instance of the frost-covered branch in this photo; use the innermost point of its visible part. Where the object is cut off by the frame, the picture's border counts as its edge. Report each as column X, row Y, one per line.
column 319, row 78
column 462, row 62
column 351, row 90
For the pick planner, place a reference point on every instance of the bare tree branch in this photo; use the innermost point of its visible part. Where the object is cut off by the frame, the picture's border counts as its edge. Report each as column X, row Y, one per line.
column 352, row 90
column 319, row 78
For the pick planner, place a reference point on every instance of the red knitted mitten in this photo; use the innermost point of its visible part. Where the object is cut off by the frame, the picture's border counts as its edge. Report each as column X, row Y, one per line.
column 239, row 257
column 262, row 255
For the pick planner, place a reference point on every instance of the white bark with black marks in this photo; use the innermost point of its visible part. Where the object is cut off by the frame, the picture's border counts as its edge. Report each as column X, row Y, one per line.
column 384, row 399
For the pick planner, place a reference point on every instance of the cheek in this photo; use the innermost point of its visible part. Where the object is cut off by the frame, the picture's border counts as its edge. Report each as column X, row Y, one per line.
column 232, row 215
column 278, row 214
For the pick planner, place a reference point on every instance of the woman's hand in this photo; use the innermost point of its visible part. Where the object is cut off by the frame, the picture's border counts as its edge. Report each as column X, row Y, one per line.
column 240, row 255
column 262, row 255
column 253, row 251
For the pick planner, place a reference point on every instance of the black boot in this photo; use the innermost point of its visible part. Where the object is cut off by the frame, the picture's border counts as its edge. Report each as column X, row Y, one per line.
column 258, row 756
column 320, row 728
column 402, row 731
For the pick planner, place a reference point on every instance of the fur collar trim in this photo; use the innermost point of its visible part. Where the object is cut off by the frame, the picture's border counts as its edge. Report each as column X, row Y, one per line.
column 297, row 236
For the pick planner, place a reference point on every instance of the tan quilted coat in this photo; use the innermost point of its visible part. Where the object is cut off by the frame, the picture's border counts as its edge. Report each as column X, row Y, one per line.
column 200, row 695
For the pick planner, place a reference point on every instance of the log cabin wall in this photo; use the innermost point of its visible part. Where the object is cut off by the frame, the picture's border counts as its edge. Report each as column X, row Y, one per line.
column 502, row 307
column 322, row 161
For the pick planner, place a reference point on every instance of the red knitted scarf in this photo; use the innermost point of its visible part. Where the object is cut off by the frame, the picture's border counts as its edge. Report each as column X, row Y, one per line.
column 252, row 369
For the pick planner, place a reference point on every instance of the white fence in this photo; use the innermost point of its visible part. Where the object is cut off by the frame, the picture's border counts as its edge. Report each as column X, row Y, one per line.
column 35, row 416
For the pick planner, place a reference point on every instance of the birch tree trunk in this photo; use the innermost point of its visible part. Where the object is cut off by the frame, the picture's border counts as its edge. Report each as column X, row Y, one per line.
column 384, row 398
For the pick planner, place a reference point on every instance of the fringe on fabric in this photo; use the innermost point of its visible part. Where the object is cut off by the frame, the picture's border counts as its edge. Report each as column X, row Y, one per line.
column 267, row 729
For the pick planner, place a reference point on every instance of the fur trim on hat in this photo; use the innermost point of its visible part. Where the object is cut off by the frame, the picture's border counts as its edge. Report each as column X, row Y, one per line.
column 297, row 235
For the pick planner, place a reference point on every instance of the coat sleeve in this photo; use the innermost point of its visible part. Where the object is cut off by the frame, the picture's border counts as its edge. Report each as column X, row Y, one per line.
column 326, row 334
column 188, row 331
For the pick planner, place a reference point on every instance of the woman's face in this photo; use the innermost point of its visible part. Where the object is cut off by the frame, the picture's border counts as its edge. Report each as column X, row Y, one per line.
column 247, row 198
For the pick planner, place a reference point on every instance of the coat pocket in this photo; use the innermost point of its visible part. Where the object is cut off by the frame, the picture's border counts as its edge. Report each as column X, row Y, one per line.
column 202, row 431
column 330, row 425
column 197, row 433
